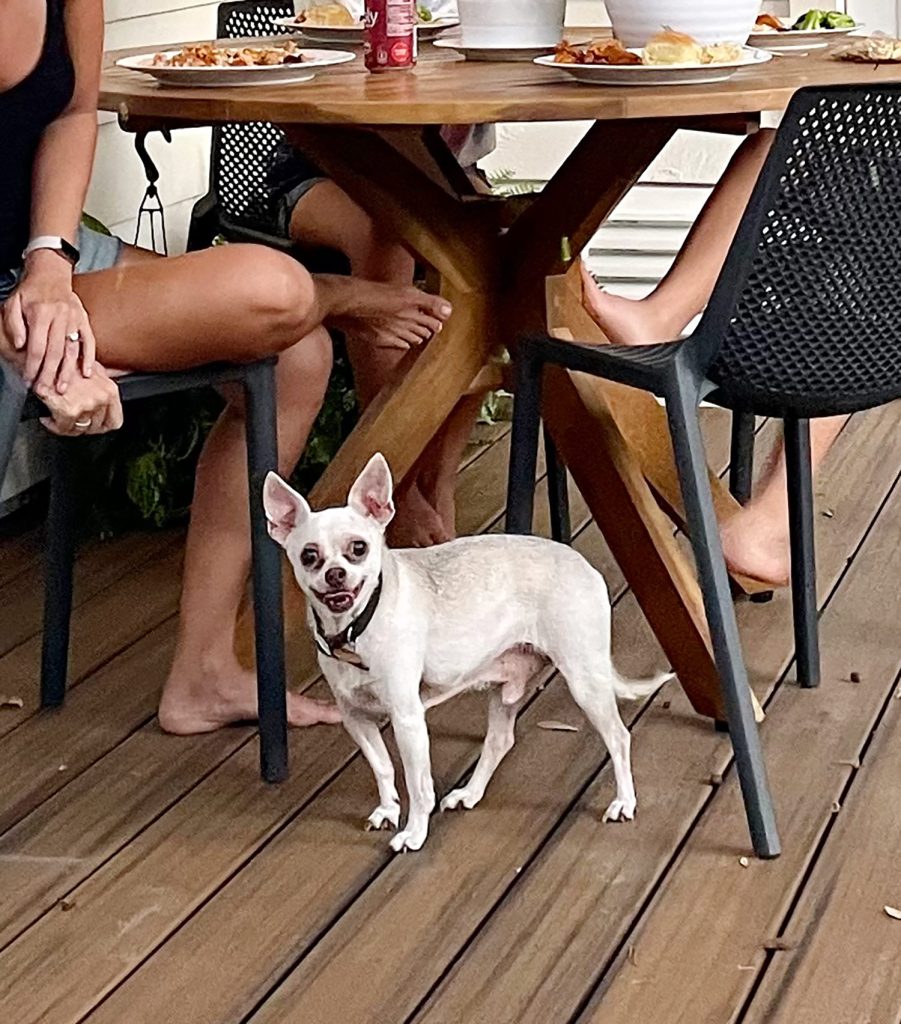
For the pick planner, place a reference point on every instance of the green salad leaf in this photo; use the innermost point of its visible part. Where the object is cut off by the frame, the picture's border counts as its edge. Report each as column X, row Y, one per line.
column 816, row 19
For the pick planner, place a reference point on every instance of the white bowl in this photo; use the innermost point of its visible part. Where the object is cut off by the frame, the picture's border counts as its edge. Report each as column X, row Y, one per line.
column 709, row 21
column 511, row 23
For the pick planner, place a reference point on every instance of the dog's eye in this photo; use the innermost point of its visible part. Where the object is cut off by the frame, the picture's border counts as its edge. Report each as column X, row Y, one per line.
column 359, row 548
column 309, row 557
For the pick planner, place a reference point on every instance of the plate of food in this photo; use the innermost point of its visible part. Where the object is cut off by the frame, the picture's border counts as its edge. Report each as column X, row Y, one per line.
column 334, row 23
column 875, row 49
column 811, row 31
column 214, row 64
column 670, row 58
column 506, row 54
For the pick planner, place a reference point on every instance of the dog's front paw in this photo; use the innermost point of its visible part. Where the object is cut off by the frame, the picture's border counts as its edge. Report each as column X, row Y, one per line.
column 383, row 817
column 409, row 839
column 460, row 797
column 620, row 810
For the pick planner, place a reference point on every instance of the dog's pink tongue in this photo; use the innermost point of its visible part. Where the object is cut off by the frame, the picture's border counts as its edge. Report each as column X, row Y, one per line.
column 339, row 602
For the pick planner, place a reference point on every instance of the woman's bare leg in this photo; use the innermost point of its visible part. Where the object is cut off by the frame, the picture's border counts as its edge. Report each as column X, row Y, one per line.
column 327, row 216
column 207, row 687
column 756, row 539
column 685, row 290
column 238, row 302
column 232, row 302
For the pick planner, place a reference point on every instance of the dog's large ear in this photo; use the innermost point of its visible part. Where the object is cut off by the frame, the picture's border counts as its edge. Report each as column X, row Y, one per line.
column 371, row 493
column 285, row 508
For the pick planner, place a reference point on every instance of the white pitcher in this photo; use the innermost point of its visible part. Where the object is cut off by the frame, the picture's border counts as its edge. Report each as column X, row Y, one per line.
column 709, row 21
column 512, row 23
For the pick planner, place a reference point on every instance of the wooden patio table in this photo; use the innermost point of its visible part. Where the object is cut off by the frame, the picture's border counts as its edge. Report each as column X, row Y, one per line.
column 505, row 265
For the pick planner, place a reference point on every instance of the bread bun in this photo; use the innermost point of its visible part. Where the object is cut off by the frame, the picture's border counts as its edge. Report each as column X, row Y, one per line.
column 671, row 47
column 332, row 15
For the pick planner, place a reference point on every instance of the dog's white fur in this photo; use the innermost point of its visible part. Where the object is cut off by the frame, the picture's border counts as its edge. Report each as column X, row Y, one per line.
column 489, row 611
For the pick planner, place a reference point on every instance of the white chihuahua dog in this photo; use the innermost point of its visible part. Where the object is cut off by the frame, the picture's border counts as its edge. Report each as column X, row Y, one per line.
column 401, row 631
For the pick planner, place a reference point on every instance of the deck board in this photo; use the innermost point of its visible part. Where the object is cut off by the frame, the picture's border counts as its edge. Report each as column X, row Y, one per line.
column 530, row 966
column 814, row 979
column 810, row 740
column 195, row 894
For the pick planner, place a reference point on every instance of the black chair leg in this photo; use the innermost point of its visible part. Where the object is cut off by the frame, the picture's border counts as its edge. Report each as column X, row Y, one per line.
column 557, row 492
column 524, row 442
column 682, row 410
column 741, row 461
column 262, row 458
column 803, row 556
column 59, row 569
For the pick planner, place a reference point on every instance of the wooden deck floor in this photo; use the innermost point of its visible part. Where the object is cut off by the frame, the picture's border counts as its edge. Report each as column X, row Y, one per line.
column 146, row 879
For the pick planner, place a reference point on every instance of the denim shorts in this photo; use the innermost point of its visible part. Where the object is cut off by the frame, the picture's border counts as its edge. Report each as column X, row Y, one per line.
column 98, row 252
column 288, row 180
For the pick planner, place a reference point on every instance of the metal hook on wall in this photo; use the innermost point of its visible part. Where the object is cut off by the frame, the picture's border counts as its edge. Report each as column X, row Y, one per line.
column 151, row 205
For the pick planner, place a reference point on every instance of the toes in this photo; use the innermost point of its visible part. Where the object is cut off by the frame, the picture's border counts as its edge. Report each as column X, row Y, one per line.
column 435, row 305
column 459, row 798
column 620, row 810
column 432, row 325
column 382, row 817
column 406, row 841
column 304, row 711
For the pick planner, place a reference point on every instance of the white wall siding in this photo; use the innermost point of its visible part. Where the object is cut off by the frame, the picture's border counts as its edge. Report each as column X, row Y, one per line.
column 118, row 184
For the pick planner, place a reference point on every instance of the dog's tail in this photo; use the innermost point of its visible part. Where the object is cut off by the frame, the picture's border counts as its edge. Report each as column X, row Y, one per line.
column 636, row 689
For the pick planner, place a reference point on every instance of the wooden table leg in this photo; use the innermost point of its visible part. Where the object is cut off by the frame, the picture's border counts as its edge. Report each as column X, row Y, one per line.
column 497, row 285
column 639, row 534
column 615, row 440
column 458, row 238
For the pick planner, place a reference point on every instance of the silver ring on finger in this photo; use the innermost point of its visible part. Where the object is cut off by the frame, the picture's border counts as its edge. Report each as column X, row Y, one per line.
column 84, row 424
column 74, row 336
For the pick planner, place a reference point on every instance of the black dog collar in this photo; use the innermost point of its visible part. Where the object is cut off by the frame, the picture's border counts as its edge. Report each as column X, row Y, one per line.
column 340, row 646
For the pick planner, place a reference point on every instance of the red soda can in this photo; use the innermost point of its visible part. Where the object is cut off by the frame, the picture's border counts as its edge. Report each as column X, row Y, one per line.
column 389, row 34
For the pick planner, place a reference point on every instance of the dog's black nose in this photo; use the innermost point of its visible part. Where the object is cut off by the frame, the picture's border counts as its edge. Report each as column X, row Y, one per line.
column 335, row 576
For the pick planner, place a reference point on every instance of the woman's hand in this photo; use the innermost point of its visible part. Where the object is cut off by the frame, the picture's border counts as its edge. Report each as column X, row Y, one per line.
column 90, row 405
column 45, row 319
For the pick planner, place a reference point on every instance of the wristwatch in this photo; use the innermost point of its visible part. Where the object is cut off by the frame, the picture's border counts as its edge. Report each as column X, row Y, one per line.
column 55, row 242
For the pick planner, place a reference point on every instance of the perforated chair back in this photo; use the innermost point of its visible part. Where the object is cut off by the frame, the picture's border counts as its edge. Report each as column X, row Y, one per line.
column 806, row 316
column 242, row 153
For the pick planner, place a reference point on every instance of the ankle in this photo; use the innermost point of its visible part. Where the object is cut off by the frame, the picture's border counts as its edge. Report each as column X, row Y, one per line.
column 202, row 665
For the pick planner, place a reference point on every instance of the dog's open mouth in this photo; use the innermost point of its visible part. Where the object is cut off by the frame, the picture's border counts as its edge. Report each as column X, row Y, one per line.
column 339, row 601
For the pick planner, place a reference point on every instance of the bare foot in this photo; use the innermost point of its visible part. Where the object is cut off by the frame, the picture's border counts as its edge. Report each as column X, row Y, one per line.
column 417, row 524
column 206, row 704
column 624, row 321
column 756, row 544
column 383, row 315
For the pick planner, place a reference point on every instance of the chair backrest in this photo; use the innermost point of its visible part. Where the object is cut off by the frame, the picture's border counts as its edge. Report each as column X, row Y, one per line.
column 242, row 153
column 806, row 316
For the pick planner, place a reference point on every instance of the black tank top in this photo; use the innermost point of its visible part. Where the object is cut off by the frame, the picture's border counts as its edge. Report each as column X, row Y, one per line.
column 25, row 111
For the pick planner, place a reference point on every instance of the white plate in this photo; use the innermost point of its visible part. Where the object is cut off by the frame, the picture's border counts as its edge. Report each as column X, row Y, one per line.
column 493, row 53
column 271, row 74
column 796, row 41
column 656, row 74
column 352, row 35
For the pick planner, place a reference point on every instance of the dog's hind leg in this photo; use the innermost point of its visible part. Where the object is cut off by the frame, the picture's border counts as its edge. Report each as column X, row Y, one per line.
column 594, row 695
column 365, row 733
column 499, row 741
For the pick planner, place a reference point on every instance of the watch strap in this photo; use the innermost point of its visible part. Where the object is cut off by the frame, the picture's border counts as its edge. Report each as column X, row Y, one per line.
column 54, row 242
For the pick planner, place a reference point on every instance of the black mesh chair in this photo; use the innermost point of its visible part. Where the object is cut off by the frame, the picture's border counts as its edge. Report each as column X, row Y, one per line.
column 805, row 321
column 236, row 205
column 258, row 382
